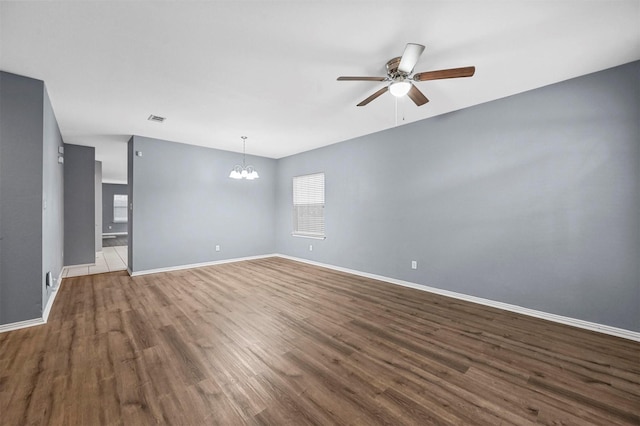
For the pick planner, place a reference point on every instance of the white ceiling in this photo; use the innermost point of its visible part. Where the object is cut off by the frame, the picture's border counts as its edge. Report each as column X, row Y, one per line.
column 267, row 69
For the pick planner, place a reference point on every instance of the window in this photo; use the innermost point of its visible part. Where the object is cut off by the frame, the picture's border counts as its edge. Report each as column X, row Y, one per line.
column 120, row 208
column 308, row 206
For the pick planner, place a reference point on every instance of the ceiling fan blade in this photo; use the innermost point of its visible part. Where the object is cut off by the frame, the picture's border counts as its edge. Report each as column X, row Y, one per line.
column 417, row 96
column 375, row 95
column 410, row 57
column 362, row 78
column 440, row 74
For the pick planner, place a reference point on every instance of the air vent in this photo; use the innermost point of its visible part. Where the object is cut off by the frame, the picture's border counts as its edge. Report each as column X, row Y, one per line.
column 156, row 118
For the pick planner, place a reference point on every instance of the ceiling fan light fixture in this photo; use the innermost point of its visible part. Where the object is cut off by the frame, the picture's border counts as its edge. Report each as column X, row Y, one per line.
column 399, row 88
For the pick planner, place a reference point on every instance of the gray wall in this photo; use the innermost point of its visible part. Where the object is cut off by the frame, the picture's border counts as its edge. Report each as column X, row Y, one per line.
column 53, row 197
column 531, row 200
column 79, row 205
column 130, row 178
column 21, row 177
column 98, row 205
column 108, row 191
column 31, row 198
column 184, row 204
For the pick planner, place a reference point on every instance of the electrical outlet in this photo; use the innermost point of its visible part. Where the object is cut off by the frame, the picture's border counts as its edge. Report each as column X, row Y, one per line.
column 217, row 247
column 414, row 264
column 310, row 247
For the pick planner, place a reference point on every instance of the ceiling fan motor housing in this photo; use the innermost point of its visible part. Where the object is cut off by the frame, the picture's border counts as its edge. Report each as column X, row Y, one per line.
column 392, row 69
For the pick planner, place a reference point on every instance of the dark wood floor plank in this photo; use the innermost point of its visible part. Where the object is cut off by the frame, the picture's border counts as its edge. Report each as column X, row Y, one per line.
column 273, row 341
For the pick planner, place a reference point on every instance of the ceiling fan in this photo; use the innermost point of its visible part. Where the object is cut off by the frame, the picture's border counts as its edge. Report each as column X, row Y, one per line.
column 399, row 75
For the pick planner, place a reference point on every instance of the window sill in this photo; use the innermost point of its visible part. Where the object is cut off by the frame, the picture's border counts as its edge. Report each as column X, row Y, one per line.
column 313, row 237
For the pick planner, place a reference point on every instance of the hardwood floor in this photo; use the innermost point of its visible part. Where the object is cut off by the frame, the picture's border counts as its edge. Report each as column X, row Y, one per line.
column 277, row 342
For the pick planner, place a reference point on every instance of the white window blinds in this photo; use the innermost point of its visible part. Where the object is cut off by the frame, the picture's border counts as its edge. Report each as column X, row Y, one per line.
column 119, row 208
column 308, row 205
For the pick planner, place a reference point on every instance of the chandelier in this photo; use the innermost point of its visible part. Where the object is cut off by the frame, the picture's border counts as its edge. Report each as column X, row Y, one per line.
column 243, row 172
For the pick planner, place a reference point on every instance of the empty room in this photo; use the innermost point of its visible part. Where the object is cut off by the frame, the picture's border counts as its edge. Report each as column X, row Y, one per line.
column 320, row 213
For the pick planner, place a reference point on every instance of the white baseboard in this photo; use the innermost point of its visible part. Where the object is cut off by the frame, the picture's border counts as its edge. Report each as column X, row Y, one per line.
column 84, row 265
column 21, row 324
column 52, row 296
column 601, row 328
column 592, row 326
column 45, row 312
column 198, row 265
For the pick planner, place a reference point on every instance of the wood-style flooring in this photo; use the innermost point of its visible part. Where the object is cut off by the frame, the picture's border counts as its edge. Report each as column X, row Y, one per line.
column 277, row 342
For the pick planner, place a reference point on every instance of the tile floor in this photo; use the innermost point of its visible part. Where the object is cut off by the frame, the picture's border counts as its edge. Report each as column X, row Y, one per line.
column 108, row 260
